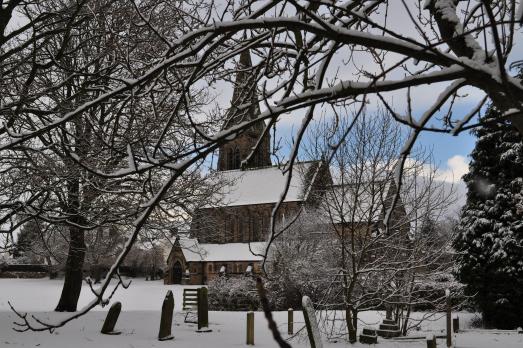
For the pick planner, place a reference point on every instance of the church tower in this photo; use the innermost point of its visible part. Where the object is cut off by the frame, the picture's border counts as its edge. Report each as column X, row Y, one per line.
column 235, row 151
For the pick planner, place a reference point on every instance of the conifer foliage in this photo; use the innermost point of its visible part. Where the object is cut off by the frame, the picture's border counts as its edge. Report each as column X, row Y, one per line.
column 490, row 240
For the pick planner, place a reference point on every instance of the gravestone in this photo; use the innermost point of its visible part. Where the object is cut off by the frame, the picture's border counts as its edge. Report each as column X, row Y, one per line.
column 431, row 341
column 369, row 336
column 310, row 322
column 166, row 320
column 110, row 320
column 203, row 311
column 455, row 324
column 388, row 312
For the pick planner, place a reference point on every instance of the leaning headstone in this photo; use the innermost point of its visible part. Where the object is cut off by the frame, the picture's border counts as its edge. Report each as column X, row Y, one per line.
column 166, row 320
column 110, row 320
column 203, row 311
column 310, row 322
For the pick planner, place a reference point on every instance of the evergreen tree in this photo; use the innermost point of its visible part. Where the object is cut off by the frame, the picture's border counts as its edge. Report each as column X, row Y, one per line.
column 26, row 238
column 490, row 238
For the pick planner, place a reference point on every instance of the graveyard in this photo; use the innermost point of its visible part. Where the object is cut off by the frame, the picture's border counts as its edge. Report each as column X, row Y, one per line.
column 138, row 324
column 261, row 173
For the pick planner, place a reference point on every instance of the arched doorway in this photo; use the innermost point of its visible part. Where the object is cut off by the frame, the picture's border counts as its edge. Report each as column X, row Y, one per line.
column 177, row 273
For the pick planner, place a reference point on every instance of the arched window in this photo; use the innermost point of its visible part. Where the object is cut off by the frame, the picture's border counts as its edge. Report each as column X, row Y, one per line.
column 230, row 158
column 237, row 159
column 236, row 229
column 177, row 273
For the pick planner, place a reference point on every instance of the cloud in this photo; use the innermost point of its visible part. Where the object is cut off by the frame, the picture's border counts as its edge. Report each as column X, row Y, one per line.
column 457, row 166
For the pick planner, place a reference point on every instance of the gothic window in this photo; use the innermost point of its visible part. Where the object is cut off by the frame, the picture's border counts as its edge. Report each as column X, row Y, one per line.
column 237, row 159
column 225, row 233
column 251, row 229
column 229, row 158
column 256, row 228
column 236, row 229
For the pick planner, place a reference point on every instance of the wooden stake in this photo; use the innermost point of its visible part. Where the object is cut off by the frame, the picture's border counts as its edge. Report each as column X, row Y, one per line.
column 449, row 322
column 290, row 321
column 250, row 328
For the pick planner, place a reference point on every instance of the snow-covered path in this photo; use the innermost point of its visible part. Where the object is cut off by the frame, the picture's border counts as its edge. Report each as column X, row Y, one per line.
column 140, row 317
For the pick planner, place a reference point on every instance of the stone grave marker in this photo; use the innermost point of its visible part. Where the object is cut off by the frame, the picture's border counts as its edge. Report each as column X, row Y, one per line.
column 111, row 318
column 203, row 310
column 310, row 322
column 167, row 317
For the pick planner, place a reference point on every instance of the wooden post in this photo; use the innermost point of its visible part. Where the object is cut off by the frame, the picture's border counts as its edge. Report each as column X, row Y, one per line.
column 166, row 320
column 431, row 341
column 310, row 323
column 250, row 328
column 203, row 310
column 455, row 324
column 449, row 314
column 290, row 321
column 110, row 320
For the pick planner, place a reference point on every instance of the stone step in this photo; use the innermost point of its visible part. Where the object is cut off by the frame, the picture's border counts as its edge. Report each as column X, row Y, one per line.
column 392, row 327
column 389, row 322
column 368, row 339
column 389, row 333
column 369, row 331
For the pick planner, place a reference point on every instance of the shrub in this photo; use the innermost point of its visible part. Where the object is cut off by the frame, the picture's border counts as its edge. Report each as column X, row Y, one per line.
column 233, row 294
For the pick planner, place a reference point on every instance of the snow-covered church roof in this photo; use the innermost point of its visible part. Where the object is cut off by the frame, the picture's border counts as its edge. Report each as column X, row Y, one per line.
column 193, row 251
column 262, row 185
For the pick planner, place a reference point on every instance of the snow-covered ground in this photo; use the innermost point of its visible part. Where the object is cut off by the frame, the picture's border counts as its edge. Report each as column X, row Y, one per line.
column 140, row 318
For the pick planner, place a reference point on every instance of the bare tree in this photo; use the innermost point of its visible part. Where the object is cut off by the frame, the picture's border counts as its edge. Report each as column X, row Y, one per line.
column 341, row 254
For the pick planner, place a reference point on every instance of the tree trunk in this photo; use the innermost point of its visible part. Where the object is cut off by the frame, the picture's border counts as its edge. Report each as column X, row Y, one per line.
column 350, row 325
column 73, row 271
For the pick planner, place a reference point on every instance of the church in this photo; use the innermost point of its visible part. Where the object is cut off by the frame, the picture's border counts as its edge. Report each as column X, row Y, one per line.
column 229, row 237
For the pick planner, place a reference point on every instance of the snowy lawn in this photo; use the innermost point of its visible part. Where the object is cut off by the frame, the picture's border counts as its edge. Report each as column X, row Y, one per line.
column 140, row 318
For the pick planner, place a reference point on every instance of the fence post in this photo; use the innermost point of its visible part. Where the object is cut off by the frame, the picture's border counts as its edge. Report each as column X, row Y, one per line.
column 290, row 321
column 250, row 328
column 449, row 314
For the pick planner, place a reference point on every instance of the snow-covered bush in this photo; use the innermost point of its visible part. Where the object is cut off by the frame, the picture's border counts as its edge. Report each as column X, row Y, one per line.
column 233, row 293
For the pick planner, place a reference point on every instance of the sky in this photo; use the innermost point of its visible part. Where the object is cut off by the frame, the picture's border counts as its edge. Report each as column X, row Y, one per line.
column 450, row 153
